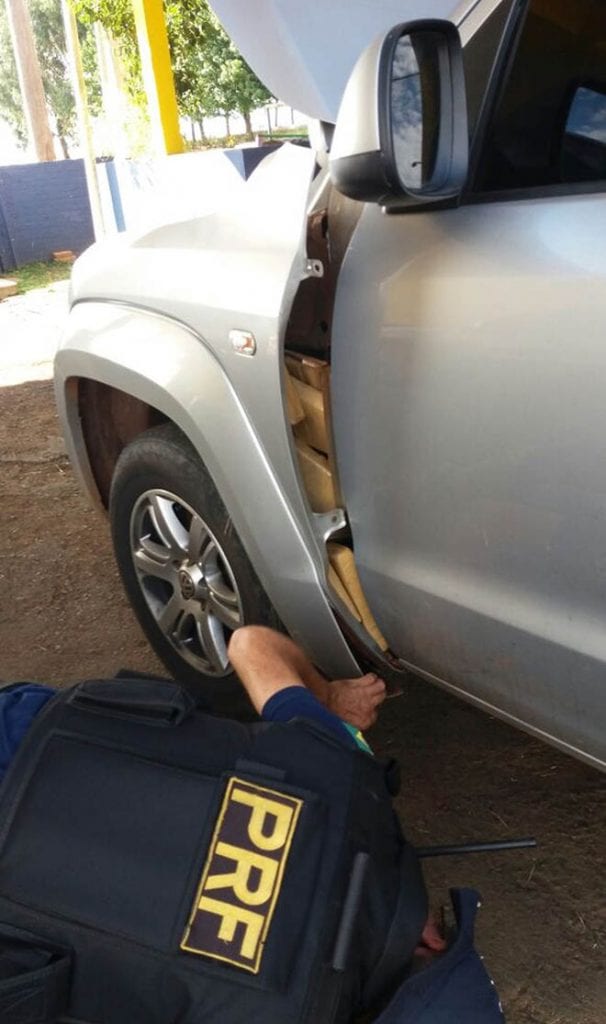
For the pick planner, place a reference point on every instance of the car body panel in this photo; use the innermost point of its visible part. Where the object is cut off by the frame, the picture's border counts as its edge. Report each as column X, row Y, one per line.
column 152, row 317
column 236, row 269
column 468, row 463
column 462, row 339
column 144, row 355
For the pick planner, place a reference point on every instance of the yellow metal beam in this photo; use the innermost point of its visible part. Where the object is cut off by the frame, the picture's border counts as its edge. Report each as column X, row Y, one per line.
column 158, row 75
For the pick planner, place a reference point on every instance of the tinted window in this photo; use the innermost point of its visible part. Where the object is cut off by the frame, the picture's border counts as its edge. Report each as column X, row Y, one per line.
column 549, row 126
column 587, row 115
column 584, row 145
column 479, row 57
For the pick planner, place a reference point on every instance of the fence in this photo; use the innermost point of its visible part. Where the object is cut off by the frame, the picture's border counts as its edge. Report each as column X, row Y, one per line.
column 43, row 208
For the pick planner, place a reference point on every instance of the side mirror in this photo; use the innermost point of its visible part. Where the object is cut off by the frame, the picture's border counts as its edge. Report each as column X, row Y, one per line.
column 401, row 133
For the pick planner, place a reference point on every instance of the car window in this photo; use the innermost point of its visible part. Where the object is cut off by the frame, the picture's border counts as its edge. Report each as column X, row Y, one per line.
column 584, row 145
column 549, row 127
column 479, row 56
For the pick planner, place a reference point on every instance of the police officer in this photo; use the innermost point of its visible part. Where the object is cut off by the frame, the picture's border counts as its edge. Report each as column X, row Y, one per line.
column 283, row 685
column 48, row 799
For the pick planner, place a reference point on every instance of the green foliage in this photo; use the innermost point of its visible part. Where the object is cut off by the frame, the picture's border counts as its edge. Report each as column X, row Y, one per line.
column 49, row 34
column 118, row 19
column 196, row 50
column 210, row 75
column 10, row 96
column 115, row 15
column 50, row 44
column 39, row 275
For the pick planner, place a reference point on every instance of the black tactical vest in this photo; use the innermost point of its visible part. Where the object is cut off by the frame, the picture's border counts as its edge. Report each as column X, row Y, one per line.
column 159, row 865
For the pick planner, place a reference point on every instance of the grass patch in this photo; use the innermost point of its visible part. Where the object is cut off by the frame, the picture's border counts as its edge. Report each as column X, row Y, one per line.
column 287, row 133
column 229, row 141
column 38, row 275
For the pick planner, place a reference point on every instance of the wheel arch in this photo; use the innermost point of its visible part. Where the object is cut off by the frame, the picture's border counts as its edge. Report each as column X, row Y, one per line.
column 120, row 370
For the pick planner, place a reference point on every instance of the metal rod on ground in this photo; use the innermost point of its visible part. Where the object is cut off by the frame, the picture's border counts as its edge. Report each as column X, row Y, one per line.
column 464, row 848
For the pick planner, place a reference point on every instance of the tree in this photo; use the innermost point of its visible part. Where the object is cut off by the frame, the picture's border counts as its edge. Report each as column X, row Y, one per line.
column 211, row 77
column 11, row 107
column 117, row 17
column 240, row 88
column 196, row 55
column 50, row 43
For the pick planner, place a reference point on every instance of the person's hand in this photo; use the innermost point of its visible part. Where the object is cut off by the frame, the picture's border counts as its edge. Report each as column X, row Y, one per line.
column 356, row 700
column 431, row 942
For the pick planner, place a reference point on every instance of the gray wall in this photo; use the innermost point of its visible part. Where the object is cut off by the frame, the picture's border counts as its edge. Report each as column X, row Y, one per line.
column 43, row 208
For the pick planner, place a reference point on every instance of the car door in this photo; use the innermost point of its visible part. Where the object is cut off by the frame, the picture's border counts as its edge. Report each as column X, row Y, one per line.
column 469, row 391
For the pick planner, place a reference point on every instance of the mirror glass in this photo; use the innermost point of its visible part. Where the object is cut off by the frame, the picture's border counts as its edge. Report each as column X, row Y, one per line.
column 415, row 107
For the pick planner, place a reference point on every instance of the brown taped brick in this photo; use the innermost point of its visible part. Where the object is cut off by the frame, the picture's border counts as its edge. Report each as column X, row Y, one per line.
column 343, row 562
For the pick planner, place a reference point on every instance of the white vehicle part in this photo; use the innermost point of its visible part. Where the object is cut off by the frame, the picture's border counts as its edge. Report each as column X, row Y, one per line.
column 304, row 53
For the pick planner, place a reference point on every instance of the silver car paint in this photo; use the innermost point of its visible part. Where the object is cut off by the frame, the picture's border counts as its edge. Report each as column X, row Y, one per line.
column 471, row 460
column 235, row 269
column 468, row 430
column 354, row 135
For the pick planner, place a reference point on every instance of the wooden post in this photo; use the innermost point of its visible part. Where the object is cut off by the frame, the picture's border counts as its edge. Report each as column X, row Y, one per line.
column 158, row 75
column 30, row 79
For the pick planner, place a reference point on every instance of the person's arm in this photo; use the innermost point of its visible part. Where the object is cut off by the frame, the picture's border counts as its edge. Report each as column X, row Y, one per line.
column 267, row 662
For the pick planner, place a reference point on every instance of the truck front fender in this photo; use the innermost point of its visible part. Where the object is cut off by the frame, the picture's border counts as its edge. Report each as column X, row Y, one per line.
column 169, row 367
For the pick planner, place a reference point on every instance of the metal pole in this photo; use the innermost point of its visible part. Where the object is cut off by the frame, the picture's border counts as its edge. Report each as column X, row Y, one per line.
column 114, row 105
column 158, row 79
column 84, row 123
column 463, row 848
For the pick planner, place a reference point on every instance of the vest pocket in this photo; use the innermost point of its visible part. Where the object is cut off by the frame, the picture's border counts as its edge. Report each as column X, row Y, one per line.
column 133, row 829
column 34, row 978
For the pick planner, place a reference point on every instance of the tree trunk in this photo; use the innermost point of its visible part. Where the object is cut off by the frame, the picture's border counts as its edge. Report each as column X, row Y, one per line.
column 202, row 132
column 30, row 79
column 227, row 125
column 247, row 122
column 193, row 132
column 63, row 144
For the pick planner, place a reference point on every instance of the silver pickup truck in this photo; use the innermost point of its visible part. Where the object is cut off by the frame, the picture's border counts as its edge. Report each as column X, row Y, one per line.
column 366, row 397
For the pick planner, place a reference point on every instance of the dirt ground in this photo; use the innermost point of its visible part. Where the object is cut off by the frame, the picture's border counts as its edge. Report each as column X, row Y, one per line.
column 543, row 925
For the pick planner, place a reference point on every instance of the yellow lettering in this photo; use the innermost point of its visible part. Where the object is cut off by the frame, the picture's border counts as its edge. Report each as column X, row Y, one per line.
column 262, row 811
column 230, row 918
column 239, row 880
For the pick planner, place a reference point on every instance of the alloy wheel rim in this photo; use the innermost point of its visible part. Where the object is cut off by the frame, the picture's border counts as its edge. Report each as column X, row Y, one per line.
column 186, row 580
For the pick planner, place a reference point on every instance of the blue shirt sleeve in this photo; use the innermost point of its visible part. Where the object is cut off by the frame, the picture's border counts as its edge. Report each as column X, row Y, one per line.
column 299, row 702
column 19, row 705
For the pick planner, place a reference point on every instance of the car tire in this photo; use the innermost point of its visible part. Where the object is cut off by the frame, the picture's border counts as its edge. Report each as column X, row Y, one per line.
column 182, row 564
